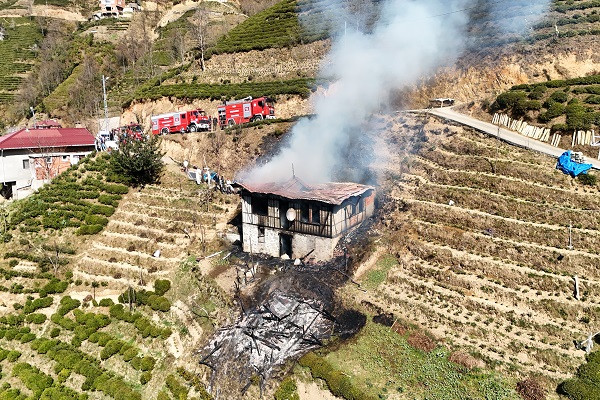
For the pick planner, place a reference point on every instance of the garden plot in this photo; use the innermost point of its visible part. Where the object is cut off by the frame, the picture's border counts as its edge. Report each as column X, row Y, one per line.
column 480, row 232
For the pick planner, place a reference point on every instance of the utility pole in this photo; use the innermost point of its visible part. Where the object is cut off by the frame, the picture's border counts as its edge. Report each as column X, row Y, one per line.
column 33, row 115
column 570, row 246
column 104, row 79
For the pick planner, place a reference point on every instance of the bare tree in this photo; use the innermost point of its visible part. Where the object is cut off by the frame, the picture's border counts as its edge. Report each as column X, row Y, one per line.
column 201, row 21
column 86, row 94
column 178, row 43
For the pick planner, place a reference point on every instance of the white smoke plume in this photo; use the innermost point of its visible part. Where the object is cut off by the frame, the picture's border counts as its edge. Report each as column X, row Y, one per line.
column 410, row 39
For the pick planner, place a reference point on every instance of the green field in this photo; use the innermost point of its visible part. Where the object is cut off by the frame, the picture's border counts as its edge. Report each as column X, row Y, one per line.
column 380, row 363
column 16, row 54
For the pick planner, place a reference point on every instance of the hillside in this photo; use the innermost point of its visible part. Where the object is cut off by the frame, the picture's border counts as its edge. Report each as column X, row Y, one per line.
column 460, row 286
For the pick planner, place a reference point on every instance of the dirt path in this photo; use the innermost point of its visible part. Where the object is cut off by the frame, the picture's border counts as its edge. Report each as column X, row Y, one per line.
column 312, row 391
column 43, row 11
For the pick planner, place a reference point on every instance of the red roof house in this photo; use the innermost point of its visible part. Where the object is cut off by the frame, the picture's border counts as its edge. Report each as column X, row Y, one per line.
column 32, row 156
column 46, row 138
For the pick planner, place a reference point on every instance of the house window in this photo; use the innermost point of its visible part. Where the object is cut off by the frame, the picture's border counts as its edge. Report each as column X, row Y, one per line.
column 260, row 206
column 26, row 164
column 48, row 160
column 65, row 158
column 261, row 234
column 316, row 214
column 304, row 217
column 361, row 205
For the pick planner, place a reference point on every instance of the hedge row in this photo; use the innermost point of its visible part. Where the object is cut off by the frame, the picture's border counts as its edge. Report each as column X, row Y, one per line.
column 68, row 357
column 71, row 201
column 144, row 326
column 153, row 299
column 339, row 384
column 301, row 87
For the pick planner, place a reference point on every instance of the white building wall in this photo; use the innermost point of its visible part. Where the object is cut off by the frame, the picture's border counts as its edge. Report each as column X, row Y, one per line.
column 323, row 247
column 12, row 168
column 265, row 244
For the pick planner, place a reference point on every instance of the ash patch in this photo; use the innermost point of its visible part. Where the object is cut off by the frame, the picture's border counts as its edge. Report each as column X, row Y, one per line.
column 284, row 326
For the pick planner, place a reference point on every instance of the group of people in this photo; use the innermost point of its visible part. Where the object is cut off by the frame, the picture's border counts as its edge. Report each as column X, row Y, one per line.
column 100, row 143
column 205, row 175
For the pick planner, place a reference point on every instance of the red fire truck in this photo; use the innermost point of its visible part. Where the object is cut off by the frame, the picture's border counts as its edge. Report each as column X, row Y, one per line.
column 180, row 121
column 134, row 131
column 245, row 110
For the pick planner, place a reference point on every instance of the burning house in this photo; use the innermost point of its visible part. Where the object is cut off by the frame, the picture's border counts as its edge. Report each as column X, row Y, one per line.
column 294, row 219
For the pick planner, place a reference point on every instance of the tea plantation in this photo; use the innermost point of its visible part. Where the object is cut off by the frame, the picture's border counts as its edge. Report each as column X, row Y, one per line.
column 16, row 54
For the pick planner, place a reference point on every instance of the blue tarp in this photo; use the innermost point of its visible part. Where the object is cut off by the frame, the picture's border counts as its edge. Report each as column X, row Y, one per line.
column 568, row 166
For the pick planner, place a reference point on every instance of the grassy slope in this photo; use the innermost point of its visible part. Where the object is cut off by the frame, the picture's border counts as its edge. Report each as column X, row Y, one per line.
column 16, row 56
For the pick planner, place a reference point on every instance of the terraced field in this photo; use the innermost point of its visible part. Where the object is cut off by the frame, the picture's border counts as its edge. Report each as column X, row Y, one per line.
column 171, row 219
column 63, row 333
column 480, row 231
column 16, row 54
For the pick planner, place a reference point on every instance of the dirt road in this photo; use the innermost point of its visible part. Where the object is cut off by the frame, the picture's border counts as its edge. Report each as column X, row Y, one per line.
column 502, row 134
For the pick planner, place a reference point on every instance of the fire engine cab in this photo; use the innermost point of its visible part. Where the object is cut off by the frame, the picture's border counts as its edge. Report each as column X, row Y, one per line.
column 245, row 110
column 180, row 121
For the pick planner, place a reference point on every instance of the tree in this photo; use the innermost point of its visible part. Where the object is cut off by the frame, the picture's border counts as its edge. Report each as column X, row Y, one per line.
column 95, row 284
column 139, row 161
column 201, row 20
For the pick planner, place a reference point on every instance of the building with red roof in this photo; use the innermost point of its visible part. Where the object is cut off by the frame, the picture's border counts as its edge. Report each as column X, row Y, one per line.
column 295, row 219
column 31, row 157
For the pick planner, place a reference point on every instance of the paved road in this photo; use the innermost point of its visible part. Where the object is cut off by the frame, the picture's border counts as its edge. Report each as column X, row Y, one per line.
column 504, row 134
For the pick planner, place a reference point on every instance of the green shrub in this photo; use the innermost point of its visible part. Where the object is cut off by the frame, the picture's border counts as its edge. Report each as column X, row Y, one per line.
column 111, row 348
column 32, row 378
column 553, row 110
column 577, row 389
column 538, row 92
column 178, row 390
column 130, row 353
column 27, row 337
column 287, row 390
column 140, row 161
column 116, row 189
column 559, row 96
column 33, row 305
column 88, row 229
column 96, row 220
column 54, row 332
column 159, row 303
column 36, row 318
column 13, row 356
column 147, row 363
column 163, row 395
column 145, row 377
column 107, row 302
column 587, row 179
column 162, row 286
column 54, row 286
column 67, row 304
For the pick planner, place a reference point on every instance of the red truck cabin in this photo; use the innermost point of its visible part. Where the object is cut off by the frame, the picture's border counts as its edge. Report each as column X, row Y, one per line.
column 245, row 110
column 180, row 121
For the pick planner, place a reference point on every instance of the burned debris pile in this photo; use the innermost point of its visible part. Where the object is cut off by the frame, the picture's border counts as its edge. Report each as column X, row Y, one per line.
column 286, row 311
column 283, row 327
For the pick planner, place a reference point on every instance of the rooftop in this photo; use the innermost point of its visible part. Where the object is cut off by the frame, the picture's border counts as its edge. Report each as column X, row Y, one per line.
column 46, row 138
column 330, row 193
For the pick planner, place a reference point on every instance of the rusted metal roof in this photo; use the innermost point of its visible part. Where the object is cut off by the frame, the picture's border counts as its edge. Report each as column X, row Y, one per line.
column 295, row 189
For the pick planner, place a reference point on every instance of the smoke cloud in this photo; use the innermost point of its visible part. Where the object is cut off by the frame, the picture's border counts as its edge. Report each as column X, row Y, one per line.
column 409, row 40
